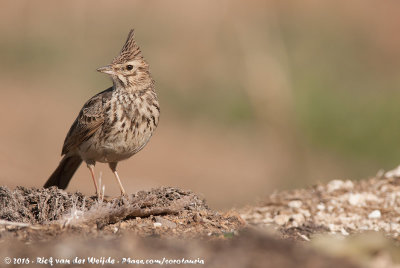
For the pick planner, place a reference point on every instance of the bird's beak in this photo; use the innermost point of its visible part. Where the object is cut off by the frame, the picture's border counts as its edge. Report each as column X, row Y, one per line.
column 106, row 69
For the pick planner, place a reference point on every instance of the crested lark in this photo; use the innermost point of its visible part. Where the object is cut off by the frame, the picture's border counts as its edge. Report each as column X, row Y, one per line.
column 114, row 124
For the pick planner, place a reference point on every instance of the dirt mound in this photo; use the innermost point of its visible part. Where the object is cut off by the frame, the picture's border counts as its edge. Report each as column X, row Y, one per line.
column 36, row 206
column 163, row 211
column 31, row 205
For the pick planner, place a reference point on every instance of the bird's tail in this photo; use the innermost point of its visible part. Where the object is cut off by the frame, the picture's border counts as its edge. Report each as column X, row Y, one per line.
column 64, row 172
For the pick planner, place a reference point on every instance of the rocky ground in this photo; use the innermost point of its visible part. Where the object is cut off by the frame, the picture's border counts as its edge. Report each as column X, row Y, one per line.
column 342, row 223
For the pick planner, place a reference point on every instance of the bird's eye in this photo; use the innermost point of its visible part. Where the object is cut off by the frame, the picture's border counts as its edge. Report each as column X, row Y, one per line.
column 129, row 67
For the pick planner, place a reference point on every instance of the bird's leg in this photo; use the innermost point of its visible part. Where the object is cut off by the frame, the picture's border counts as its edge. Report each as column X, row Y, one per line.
column 91, row 168
column 113, row 167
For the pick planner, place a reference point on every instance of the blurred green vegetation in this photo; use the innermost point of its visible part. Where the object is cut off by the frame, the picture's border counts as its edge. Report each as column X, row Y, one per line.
column 218, row 107
column 346, row 91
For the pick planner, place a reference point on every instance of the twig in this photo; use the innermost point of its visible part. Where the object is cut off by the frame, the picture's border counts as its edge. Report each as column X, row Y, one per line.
column 13, row 223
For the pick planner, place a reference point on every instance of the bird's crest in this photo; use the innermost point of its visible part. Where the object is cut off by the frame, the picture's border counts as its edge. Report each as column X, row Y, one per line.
column 129, row 51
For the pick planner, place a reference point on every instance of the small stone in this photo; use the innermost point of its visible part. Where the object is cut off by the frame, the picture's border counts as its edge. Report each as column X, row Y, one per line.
column 348, row 184
column 321, row 206
column 157, row 224
column 355, row 199
column 197, row 217
column 165, row 222
column 380, row 173
column 395, row 173
column 295, row 204
column 338, row 184
column 344, row 232
column 281, row 219
column 376, row 214
column 267, row 220
column 334, row 185
column 306, row 213
column 298, row 218
column 332, row 228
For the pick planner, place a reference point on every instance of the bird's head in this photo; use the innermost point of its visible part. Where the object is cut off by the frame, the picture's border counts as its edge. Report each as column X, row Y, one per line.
column 128, row 69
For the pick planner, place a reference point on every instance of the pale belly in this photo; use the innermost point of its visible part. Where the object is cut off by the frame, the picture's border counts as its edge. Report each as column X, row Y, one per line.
column 119, row 146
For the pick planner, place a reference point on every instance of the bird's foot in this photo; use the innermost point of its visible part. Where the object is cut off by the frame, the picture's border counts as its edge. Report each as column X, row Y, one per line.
column 124, row 194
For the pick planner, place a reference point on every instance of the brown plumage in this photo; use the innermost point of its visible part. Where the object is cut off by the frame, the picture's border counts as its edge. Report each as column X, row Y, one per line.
column 114, row 124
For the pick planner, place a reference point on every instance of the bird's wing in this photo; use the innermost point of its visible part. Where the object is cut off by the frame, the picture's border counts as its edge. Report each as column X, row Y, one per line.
column 89, row 120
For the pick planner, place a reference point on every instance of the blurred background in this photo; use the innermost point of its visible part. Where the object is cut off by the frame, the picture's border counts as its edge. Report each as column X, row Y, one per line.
column 255, row 96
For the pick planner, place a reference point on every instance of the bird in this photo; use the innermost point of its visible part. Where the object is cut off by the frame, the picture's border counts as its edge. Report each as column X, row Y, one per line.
column 114, row 124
